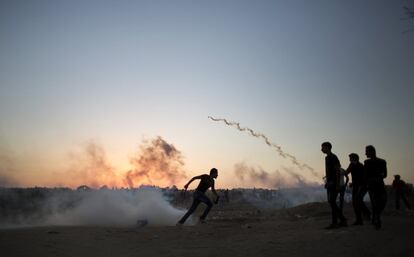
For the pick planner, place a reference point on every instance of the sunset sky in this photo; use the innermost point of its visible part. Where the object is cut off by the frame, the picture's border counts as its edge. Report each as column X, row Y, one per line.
column 116, row 73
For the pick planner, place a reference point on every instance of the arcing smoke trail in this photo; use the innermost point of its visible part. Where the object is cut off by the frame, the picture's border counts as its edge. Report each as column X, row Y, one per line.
column 277, row 147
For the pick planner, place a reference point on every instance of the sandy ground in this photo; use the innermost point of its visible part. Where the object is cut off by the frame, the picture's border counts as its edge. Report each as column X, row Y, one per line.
column 231, row 231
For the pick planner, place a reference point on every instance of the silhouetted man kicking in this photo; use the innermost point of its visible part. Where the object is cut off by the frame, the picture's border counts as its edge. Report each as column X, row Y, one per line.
column 199, row 196
column 359, row 188
column 332, row 166
column 376, row 170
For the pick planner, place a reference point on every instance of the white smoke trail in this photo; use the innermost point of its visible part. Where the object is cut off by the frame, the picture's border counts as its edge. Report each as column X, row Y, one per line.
column 278, row 148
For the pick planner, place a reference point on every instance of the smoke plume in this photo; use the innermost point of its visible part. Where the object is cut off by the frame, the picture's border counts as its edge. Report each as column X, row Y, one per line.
column 278, row 148
column 157, row 162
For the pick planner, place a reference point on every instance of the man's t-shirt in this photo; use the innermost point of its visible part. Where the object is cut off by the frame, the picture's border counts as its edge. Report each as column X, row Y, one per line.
column 376, row 170
column 205, row 183
column 399, row 185
column 331, row 163
column 357, row 173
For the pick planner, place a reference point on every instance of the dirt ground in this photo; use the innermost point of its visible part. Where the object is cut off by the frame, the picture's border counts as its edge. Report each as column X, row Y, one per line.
column 230, row 231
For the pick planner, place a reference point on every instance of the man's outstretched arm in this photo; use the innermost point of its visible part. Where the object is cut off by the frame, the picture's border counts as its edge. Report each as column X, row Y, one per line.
column 191, row 180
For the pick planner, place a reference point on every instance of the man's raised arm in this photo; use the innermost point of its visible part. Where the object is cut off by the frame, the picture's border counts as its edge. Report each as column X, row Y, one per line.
column 191, row 180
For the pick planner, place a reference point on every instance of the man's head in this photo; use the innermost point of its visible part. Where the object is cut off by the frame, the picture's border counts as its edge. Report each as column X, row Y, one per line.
column 213, row 173
column 354, row 158
column 370, row 151
column 397, row 177
column 326, row 147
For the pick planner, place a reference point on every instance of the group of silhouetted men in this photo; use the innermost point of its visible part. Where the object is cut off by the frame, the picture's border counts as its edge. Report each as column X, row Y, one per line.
column 368, row 177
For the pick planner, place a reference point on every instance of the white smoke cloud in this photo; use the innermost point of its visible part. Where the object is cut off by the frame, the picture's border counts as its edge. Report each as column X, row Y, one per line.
column 123, row 208
column 118, row 208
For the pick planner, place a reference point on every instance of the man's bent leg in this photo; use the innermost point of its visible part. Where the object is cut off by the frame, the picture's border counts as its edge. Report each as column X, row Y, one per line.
column 206, row 211
column 193, row 207
column 209, row 204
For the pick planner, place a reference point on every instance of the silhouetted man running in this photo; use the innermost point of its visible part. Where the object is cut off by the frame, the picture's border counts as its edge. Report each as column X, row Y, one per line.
column 199, row 196
column 359, row 188
column 332, row 166
column 376, row 170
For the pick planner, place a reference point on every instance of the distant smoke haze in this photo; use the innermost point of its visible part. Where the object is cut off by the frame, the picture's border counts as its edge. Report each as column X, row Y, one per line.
column 7, row 170
column 284, row 178
column 156, row 162
column 91, row 167
column 6, row 181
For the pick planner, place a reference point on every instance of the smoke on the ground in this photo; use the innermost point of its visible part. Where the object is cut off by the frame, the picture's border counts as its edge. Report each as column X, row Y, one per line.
column 281, row 198
column 117, row 208
column 291, row 187
column 146, row 206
